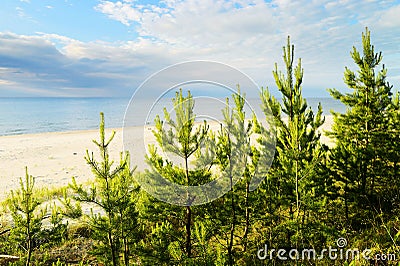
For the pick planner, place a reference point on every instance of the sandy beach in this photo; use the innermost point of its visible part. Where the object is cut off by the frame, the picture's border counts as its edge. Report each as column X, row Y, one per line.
column 54, row 158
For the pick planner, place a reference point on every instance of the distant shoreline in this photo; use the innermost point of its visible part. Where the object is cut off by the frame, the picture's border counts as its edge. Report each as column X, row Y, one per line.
column 41, row 115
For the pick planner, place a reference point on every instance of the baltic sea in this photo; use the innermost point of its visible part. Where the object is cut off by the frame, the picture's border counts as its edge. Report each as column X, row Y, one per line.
column 39, row 115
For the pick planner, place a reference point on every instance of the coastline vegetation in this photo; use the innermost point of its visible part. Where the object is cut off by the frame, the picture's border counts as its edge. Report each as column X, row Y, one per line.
column 312, row 194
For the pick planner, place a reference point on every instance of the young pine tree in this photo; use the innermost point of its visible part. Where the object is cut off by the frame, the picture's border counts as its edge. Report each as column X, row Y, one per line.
column 27, row 216
column 114, row 191
column 293, row 175
column 182, row 138
column 232, row 152
column 366, row 158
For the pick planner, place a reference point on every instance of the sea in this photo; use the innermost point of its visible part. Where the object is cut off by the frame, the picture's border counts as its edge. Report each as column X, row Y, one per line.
column 41, row 114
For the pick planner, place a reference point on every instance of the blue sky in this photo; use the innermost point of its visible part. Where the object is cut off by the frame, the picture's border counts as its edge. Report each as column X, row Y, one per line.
column 108, row 48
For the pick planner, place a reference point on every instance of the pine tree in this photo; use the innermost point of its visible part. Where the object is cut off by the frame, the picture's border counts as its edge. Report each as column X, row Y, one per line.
column 232, row 152
column 27, row 216
column 293, row 175
column 115, row 192
column 182, row 138
column 365, row 138
column 261, row 152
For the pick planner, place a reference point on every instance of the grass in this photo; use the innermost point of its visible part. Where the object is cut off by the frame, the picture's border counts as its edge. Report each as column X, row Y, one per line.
column 73, row 250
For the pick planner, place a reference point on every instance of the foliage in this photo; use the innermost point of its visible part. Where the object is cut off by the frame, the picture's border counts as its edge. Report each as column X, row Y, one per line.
column 27, row 217
column 234, row 153
column 114, row 191
column 183, row 139
column 293, row 182
column 366, row 156
column 34, row 228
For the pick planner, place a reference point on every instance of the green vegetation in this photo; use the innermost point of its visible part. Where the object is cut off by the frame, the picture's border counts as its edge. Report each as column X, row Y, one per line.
column 114, row 192
column 174, row 226
column 311, row 196
column 364, row 165
column 293, row 182
column 27, row 222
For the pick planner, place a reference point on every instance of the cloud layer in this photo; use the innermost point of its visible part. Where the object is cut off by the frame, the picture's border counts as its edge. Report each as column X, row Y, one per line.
column 248, row 35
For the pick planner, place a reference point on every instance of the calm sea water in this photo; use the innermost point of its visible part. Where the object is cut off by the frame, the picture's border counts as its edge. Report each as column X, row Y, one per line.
column 37, row 115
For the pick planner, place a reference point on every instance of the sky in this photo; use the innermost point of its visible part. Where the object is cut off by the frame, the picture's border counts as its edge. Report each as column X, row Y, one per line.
column 86, row 48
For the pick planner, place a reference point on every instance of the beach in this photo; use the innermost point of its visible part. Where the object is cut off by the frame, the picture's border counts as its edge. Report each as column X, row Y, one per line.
column 54, row 158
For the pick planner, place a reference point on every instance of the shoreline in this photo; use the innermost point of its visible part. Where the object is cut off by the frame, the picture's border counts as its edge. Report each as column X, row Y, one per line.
column 58, row 132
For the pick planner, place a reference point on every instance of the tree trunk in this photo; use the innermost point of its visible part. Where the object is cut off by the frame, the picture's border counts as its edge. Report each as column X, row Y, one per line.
column 28, row 258
column 247, row 217
column 188, row 231
column 188, row 215
column 232, row 231
column 28, row 231
column 113, row 255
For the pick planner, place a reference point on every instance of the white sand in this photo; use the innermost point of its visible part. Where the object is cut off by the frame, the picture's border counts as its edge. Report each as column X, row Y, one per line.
column 54, row 158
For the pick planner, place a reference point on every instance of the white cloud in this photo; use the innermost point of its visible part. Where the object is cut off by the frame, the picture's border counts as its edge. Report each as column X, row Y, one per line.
column 20, row 12
column 247, row 34
column 390, row 18
column 77, row 69
column 120, row 11
column 6, row 82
